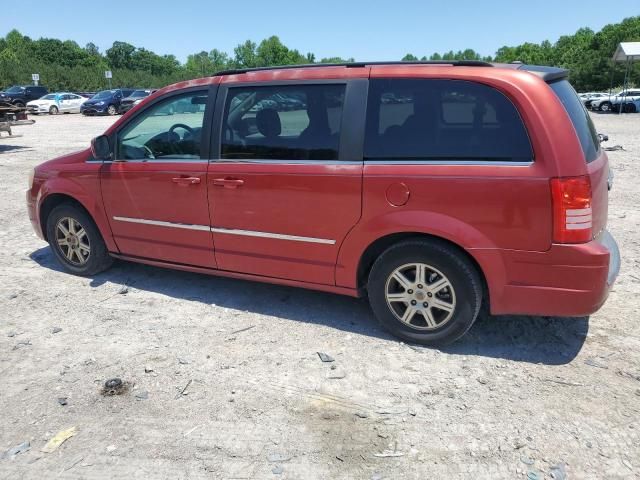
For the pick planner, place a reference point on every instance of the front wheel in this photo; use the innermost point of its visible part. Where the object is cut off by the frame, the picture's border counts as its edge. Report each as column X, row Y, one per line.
column 53, row 110
column 605, row 107
column 76, row 241
column 425, row 292
column 111, row 110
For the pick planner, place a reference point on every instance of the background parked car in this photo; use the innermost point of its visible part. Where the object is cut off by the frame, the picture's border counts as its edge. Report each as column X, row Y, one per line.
column 608, row 104
column 135, row 98
column 627, row 102
column 54, row 103
column 105, row 102
column 20, row 95
column 589, row 97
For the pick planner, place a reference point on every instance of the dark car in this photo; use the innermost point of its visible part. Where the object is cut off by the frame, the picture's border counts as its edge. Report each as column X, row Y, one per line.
column 20, row 95
column 105, row 102
column 135, row 98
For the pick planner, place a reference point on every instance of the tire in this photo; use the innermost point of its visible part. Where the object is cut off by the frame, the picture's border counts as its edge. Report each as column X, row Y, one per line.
column 53, row 110
column 79, row 261
column 19, row 104
column 455, row 284
column 605, row 107
column 112, row 110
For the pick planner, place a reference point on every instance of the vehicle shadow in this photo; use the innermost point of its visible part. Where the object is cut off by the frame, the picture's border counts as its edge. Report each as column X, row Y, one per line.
column 8, row 148
column 550, row 341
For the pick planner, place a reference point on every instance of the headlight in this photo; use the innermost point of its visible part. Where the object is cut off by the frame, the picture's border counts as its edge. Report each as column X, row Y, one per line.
column 137, row 102
column 100, row 103
column 32, row 174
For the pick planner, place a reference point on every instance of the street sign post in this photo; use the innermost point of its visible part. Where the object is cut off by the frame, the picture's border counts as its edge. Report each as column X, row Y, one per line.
column 108, row 75
column 36, row 78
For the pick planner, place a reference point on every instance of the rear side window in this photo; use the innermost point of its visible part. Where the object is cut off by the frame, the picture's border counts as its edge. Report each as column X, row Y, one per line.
column 442, row 120
column 287, row 122
column 579, row 117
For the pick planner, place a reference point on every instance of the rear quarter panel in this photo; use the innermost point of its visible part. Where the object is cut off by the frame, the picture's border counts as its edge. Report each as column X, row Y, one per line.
column 478, row 207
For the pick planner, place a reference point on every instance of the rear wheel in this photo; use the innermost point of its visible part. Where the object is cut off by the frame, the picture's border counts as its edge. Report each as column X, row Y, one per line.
column 425, row 292
column 53, row 110
column 76, row 241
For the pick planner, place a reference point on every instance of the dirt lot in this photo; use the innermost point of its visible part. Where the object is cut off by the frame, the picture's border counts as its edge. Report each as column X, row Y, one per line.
column 225, row 382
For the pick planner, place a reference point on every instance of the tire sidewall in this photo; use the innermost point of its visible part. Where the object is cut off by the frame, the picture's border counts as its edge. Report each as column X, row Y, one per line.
column 464, row 280
column 53, row 110
column 98, row 248
column 112, row 110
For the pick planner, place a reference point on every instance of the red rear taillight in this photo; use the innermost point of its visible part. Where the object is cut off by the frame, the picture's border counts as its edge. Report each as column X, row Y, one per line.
column 572, row 219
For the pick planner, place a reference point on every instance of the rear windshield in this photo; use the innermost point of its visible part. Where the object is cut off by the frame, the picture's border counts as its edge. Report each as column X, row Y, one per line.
column 579, row 117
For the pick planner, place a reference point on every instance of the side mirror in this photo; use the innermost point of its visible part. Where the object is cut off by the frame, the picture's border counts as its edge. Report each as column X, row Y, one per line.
column 100, row 148
column 603, row 137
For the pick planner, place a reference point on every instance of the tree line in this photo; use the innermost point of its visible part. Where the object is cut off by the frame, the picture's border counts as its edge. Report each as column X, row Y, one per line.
column 65, row 65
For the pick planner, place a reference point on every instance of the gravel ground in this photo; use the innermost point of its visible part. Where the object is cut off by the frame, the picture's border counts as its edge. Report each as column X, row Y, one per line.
column 224, row 380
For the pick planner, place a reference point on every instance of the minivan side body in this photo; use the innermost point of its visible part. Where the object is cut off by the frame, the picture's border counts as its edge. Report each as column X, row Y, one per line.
column 363, row 169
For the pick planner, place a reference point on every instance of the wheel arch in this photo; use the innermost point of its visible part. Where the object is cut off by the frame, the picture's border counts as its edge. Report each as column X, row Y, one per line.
column 53, row 200
column 378, row 246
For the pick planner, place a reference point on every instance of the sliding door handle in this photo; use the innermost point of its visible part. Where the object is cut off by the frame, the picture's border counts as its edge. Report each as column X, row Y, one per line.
column 228, row 182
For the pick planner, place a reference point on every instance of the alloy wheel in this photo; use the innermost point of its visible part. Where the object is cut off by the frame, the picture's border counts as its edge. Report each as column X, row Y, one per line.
column 420, row 296
column 73, row 241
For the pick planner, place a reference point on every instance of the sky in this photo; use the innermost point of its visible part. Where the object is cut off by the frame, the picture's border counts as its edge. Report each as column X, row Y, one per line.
column 366, row 30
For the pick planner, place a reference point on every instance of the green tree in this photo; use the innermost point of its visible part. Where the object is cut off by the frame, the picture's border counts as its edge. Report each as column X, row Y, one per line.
column 245, row 55
column 119, row 55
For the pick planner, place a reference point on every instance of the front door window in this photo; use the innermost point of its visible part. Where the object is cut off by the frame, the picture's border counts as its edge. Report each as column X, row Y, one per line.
column 168, row 130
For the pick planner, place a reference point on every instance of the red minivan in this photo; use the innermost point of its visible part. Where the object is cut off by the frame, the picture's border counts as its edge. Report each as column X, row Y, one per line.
column 431, row 188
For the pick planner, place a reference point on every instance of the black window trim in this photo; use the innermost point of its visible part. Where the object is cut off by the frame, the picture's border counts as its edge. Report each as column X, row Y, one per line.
column 351, row 144
column 211, row 91
column 466, row 161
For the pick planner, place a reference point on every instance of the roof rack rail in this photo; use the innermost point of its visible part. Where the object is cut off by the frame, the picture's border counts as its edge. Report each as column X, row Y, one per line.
column 455, row 63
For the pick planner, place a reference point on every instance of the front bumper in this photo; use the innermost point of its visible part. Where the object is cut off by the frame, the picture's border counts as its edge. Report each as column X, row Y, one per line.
column 93, row 109
column 37, row 109
column 125, row 107
column 566, row 280
column 32, row 210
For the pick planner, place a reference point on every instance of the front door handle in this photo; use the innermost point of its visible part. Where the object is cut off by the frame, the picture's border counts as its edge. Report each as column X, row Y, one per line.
column 186, row 180
column 228, row 182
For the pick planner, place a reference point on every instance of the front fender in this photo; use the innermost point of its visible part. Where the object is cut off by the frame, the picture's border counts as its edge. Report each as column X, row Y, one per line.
column 80, row 182
column 415, row 221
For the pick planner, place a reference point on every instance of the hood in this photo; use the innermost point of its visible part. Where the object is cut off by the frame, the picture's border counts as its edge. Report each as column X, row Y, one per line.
column 80, row 156
column 92, row 101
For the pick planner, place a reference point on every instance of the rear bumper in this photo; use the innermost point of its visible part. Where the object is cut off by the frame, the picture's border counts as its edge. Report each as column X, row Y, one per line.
column 567, row 280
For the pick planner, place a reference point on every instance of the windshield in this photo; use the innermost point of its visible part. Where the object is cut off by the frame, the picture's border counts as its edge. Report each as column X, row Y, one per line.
column 139, row 94
column 103, row 94
column 16, row 90
column 51, row 96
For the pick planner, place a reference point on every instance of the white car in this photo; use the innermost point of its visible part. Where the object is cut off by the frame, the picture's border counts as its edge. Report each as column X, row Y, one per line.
column 607, row 104
column 54, row 103
column 589, row 97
